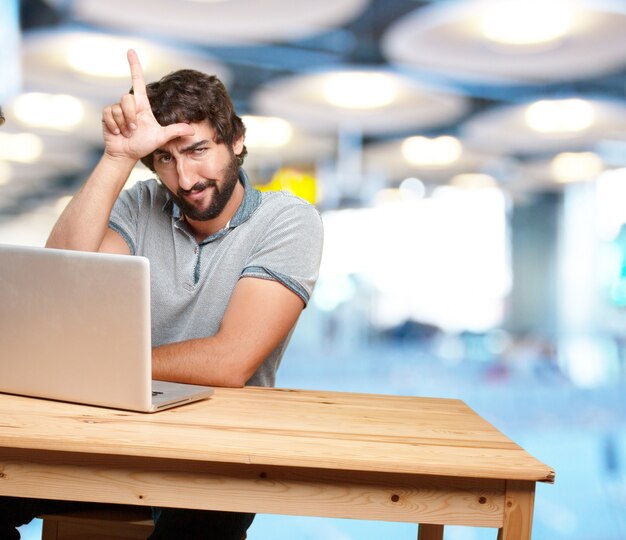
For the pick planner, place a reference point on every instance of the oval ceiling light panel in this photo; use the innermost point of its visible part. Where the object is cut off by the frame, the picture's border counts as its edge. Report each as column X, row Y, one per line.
column 546, row 126
column 20, row 147
column 426, row 152
column 105, row 56
column 359, row 90
column 511, row 42
column 576, row 166
column 325, row 101
column 55, row 111
column 93, row 65
column 525, row 22
column 432, row 160
column 220, row 22
column 266, row 131
column 560, row 117
column 473, row 181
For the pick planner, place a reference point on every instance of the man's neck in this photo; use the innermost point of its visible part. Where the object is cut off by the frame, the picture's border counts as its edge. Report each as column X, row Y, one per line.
column 203, row 229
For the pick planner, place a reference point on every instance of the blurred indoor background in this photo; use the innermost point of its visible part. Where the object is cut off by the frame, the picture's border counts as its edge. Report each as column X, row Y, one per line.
column 469, row 162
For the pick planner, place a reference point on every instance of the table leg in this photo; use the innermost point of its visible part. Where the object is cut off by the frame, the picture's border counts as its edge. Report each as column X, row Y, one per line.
column 518, row 511
column 429, row 532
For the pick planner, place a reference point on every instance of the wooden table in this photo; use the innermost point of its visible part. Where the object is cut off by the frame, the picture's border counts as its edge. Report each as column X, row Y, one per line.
column 422, row 460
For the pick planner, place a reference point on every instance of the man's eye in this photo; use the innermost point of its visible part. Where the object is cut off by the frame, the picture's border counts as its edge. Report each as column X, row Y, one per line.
column 200, row 150
column 164, row 158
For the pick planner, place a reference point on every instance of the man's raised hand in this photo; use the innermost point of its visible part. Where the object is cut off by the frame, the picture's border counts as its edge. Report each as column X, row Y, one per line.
column 130, row 130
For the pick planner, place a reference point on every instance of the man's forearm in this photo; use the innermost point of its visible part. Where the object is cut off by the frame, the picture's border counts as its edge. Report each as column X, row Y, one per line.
column 201, row 361
column 84, row 222
column 245, row 339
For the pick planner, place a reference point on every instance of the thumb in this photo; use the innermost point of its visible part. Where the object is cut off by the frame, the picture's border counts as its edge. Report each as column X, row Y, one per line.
column 178, row 130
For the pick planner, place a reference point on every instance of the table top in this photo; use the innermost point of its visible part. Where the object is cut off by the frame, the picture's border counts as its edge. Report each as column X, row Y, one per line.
column 282, row 427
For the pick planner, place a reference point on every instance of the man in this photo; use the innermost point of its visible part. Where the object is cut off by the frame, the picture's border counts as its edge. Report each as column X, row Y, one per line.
column 232, row 268
column 1, row 117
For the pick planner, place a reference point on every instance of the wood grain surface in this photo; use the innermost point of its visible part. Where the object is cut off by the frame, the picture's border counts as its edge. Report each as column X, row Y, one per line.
column 287, row 428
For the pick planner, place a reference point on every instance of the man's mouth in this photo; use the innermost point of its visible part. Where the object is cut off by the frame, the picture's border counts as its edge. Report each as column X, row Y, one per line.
column 196, row 191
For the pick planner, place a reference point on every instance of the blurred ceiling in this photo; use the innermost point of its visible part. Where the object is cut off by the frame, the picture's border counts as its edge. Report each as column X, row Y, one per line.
column 442, row 87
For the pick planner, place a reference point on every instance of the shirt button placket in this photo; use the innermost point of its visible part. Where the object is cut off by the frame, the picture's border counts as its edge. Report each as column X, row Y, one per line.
column 196, row 270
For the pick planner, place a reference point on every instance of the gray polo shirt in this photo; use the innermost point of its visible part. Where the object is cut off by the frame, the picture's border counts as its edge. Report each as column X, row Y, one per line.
column 273, row 235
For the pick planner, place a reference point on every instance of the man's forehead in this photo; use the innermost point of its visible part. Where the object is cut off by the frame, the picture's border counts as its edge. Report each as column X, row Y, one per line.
column 202, row 130
column 203, row 133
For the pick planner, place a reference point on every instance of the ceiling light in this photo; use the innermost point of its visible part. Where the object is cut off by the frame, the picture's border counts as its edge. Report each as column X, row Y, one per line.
column 576, row 167
column 103, row 56
column 266, row 131
column 473, row 181
column 20, row 147
column 525, row 22
column 437, row 152
column 560, row 116
column 48, row 110
column 359, row 90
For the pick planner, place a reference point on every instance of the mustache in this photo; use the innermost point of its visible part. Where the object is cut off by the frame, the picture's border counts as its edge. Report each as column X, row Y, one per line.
column 198, row 186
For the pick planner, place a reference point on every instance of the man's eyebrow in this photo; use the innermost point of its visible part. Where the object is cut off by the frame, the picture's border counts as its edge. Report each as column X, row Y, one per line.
column 193, row 146
column 189, row 148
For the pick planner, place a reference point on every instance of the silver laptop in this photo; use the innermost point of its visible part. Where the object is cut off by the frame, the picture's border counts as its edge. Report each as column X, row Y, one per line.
column 75, row 326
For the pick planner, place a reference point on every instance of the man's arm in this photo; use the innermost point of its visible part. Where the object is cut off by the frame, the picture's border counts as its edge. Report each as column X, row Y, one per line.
column 83, row 225
column 260, row 314
column 130, row 132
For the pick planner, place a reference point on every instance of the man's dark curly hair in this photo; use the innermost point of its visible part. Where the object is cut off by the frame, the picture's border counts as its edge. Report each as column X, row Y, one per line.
column 189, row 96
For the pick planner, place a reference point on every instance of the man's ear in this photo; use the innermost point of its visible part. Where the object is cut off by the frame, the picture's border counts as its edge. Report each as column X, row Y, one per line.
column 238, row 146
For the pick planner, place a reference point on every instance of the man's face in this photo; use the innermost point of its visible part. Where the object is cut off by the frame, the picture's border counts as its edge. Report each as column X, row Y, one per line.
column 199, row 173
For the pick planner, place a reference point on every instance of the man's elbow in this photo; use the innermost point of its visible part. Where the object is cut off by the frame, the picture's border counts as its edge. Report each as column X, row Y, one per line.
column 233, row 373
column 239, row 376
column 233, row 380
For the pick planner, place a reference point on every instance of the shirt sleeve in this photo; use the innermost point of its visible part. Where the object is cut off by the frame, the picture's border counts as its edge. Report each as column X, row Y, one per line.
column 125, row 215
column 291, row 251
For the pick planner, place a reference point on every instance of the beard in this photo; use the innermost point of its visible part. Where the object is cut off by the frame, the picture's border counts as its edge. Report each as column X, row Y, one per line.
column 221, row 194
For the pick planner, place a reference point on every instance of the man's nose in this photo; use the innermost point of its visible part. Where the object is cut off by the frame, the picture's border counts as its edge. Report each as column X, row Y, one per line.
column 186, row 179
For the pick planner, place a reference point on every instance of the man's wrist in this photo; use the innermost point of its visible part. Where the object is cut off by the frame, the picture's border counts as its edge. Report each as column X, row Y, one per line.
column 119, row 160
column 114, row 169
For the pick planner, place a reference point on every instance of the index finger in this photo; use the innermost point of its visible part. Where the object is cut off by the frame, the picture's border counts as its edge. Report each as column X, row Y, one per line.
column 136, row 74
